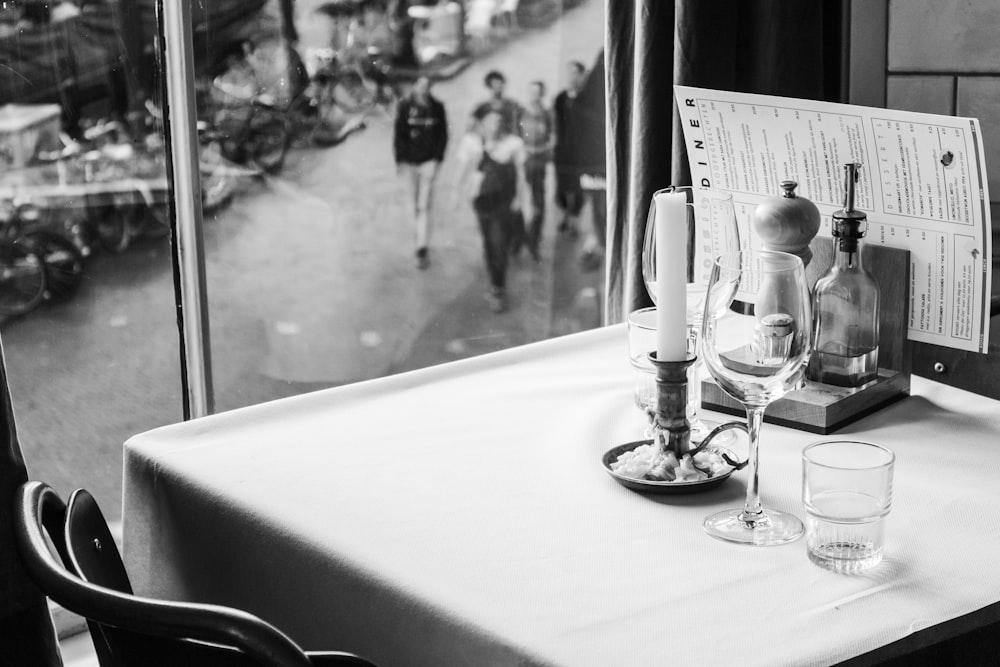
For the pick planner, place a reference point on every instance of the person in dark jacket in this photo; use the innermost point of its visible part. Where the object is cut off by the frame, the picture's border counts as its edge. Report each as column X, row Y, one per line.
column 420, row 139
column 566, row 155
column 491, row 173
column 588, row 118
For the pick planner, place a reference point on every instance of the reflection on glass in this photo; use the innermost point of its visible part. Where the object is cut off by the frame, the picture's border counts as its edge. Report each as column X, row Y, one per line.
column 86, row 289
column 311, row 230
column 365, row 255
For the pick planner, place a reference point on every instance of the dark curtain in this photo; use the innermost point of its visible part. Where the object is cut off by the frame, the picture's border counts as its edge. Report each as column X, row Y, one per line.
column 590, row 121
column 772, row 47
column 26, row 633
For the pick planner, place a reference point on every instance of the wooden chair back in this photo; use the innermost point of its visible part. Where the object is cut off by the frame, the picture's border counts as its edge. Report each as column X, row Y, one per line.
column 91, row 549
column 92, row 554
column 136, row 630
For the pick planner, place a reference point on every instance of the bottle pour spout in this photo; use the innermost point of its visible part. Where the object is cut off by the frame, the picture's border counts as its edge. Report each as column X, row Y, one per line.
column 852, row 174
column 847, row 222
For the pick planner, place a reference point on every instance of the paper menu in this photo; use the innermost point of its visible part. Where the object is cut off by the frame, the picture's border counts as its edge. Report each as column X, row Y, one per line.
column 923, row 186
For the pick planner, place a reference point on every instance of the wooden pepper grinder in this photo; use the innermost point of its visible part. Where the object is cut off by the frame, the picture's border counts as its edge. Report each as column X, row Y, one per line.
column 787, row 223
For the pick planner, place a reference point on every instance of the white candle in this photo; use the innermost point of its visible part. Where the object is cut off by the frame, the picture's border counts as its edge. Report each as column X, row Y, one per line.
column 671, row 276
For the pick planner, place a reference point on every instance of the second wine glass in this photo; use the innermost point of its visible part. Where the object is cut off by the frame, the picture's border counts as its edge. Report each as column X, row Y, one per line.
column 757, row 355
column 711, row 230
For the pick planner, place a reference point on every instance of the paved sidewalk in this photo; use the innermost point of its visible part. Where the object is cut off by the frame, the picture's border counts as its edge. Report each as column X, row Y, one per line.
column 371, row 312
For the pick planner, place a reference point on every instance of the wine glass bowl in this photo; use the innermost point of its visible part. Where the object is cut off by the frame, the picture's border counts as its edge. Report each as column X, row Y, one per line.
column 710, row 230
column 757, row 358
column 756, row 355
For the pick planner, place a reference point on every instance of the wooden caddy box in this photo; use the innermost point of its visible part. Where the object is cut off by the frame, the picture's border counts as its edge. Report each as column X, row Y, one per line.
column 823, row 408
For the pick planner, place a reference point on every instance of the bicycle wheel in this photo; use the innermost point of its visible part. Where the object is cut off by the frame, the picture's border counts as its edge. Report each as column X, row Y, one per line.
column 217, row 184
column 112, row 229
column 152, row 222
column 62, row 261
column 216, row 191
column 22, row 279
column 353, row 93
column 389, row 99
column 314, row 116
column 270, row 144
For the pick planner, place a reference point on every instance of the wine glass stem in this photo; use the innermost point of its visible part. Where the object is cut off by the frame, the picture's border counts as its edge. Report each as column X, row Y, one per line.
column 752, row 511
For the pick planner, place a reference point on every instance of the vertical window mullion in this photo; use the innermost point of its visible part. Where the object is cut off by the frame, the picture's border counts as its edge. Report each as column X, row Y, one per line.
column 183, row 177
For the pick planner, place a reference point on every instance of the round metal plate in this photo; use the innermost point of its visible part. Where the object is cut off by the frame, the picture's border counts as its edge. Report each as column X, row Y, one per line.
column 651, row 486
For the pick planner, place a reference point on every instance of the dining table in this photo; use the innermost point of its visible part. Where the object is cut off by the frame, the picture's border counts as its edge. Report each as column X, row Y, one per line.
column 461, row 515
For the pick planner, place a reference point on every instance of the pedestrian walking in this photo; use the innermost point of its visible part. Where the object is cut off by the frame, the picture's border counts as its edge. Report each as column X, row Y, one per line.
column 509, row 110
column 419, row 141
column 492, row 160
column 510, row 113
column 402, row 27
column 288, row 29
column 538, row 132
column 569, row 195
column 589, row 119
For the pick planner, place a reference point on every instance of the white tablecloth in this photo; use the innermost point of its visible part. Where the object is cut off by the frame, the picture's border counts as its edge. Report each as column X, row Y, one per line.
column 459, row 515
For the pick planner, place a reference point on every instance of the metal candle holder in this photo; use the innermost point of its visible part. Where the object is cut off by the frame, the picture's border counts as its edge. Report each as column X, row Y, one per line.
column 670, row 414
column 669, row 418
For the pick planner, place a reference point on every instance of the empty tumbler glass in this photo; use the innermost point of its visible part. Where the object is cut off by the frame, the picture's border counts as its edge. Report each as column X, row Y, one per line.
column 847, row 493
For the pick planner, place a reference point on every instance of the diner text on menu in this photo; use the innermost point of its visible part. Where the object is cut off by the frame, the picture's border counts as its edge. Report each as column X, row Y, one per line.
column 923, row 186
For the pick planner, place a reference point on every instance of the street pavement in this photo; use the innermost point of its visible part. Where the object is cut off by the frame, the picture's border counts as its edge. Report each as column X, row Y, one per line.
column 312, row 283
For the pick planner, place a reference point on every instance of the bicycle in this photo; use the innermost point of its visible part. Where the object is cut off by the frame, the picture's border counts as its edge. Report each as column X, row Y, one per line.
column 248, row 106
column 250, row 130
column 110, row 222
column 27, row 247
column 219, row 176
column 117, row 218
column 356, row 68
column 358, row 83
column 22, row 271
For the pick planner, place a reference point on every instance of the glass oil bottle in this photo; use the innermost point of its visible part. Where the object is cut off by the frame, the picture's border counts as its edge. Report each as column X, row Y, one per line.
column 846, row 303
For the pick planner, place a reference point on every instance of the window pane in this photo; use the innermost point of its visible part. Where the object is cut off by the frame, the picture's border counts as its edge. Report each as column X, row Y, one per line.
column 319, row 271
column 315, row 274
column 92, row 351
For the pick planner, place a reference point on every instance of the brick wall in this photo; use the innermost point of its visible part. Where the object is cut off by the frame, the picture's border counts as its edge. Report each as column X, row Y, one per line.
column 943, row 56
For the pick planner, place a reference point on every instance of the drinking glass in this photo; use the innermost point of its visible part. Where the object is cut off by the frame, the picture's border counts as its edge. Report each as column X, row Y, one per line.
column 756, row 356
column 642, row 341
column 847, row 493
column 711, row 231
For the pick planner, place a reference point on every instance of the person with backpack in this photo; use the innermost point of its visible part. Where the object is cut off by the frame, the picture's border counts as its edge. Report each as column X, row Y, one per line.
column 419, row 140
column 491, row 171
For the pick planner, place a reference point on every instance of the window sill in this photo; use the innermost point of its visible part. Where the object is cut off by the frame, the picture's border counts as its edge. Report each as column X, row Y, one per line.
column 78, row 651
column 67, row 624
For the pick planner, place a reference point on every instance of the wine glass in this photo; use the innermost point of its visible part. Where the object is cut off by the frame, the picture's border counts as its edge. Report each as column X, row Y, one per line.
column 711, row 231
column 757, row 355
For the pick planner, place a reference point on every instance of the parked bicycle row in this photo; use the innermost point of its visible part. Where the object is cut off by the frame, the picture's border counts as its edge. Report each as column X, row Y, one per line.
column 100, row 193
column 108, row 188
